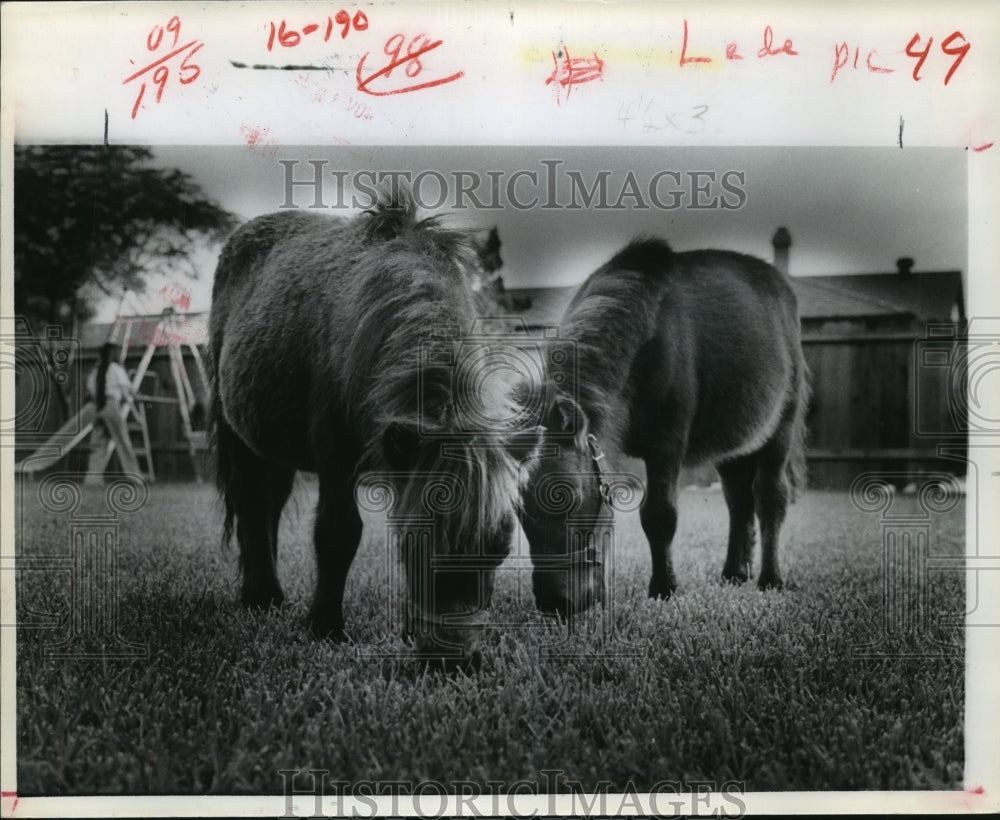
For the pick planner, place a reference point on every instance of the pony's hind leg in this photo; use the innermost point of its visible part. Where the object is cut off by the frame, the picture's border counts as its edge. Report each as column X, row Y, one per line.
column 255, row 493
column 659, row 521
column 337, row 536
column 737, row 486
column 772, row 493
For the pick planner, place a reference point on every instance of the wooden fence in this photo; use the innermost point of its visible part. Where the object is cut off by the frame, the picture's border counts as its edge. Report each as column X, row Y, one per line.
column 880, row 401
column 888, row 402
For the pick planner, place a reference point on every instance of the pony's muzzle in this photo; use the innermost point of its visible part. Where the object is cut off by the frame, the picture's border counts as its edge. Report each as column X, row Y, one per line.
column 445, row 641
column 568, row 586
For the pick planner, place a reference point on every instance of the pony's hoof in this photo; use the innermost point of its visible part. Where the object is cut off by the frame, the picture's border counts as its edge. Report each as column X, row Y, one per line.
column 559, row 609
column 262, row 598
column 662, row 588
column 326, row 630
column 769, row 582
column 740, row 576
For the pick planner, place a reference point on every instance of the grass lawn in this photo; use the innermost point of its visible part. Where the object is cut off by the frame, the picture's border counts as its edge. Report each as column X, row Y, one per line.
column 718, row 684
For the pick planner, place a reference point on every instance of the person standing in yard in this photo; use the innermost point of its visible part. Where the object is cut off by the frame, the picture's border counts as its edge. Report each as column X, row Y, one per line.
column 109, row 388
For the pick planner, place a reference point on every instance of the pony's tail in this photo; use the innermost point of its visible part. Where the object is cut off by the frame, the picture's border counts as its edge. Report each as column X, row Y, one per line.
column 797, row 469
column 220, row 438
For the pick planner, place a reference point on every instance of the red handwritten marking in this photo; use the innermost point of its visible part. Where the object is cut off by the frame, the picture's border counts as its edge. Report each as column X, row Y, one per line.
column 877, row 69
column 842, row 52
column 258, row 140
column 412, row 63
column 574, row 70
column 178, row 295
column 173, row 26
column 253, row 135
column 7, row 795
column 289, row 38
column 731, row 53
column 161, row 72
column 684, row 47
column 920, row 55
column 359, row 22
column 185, row 67
column 356, row 106
column 162, row 59
column 958, row 52
column 978, row 790
column 767, row 51
column 961, row 51
column 838, row 64
column 982, row 148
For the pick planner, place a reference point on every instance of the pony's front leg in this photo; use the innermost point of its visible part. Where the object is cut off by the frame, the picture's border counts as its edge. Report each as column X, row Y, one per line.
column 337, row 535
column 659, row 522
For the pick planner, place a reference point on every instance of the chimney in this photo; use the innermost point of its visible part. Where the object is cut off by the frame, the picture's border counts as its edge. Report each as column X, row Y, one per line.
column 905, row 266
column 782, row 241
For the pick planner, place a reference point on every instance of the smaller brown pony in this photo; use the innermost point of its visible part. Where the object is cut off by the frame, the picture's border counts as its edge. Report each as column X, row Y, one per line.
column 680, row 359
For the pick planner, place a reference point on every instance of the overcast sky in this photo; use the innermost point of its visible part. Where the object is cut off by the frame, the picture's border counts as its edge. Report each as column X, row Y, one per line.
column 849, row 210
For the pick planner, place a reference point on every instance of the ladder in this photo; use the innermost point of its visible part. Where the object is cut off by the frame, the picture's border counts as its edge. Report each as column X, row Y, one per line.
column 134, row 413
column 135, row 422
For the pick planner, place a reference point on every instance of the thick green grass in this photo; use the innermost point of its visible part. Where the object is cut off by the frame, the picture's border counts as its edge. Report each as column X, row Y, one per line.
column 718, row 684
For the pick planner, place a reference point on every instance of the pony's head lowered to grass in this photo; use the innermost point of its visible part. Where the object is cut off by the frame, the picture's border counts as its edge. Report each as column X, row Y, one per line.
column 447, row 428
column 572, row 493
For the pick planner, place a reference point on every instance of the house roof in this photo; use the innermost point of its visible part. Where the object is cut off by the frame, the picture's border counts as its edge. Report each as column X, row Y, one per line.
column 924, row 296
column 927, row 297
column 822, row 299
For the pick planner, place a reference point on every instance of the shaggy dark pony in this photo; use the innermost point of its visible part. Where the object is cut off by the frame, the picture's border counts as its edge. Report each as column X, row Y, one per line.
column 337, row 349
column 680, row 359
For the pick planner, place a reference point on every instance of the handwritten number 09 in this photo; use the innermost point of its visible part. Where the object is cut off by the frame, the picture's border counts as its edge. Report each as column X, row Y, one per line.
column 189, row 72
column 155, row 37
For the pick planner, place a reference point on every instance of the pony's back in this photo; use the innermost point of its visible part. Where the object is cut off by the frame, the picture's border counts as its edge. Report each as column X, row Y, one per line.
column 698, row 333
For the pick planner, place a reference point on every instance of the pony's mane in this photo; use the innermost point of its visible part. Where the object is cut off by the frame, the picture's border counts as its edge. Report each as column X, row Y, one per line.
column 391, row 215
column 412, row 287
column 611, row 316
column 471, row 487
